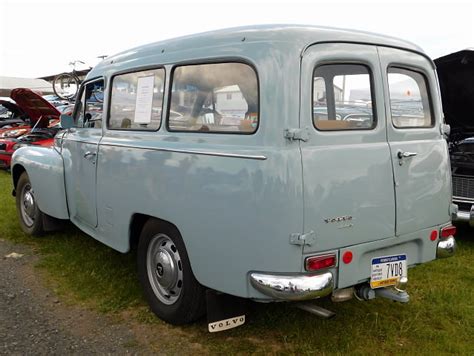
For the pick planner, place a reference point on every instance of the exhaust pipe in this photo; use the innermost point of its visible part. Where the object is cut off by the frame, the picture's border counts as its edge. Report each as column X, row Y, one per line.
column 316, row 310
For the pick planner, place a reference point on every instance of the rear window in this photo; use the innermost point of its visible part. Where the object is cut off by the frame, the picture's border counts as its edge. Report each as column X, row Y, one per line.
column 217, row 97
column 342, row 97
column 409, row 99
column 137, row 100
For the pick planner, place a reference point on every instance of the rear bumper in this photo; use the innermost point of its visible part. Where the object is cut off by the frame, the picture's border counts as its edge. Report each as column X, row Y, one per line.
column 446, row 247
column 293, row 287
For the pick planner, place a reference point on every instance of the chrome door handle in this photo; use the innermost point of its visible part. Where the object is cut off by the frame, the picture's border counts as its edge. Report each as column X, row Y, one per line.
column 401, row 155
column 90, row 155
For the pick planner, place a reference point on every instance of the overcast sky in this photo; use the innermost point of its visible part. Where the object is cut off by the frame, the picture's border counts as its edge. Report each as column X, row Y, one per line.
column 39, row 38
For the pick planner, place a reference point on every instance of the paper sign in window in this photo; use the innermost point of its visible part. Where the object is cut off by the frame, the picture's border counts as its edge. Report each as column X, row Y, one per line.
column 144, row 102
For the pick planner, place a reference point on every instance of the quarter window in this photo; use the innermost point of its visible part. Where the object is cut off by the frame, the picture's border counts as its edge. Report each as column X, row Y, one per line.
column 409, row 99
column 137, row 100
column 90, row 107
column 218, row 97
column 342, row 97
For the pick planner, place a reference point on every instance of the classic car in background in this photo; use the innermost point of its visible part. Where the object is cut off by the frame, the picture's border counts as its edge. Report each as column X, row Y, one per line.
column 456, row 80
column 11, row 115
column 40, row 124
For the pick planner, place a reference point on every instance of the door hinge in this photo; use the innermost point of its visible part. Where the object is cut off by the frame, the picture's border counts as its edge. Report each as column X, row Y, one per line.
column 303, row 239
column 296, row 134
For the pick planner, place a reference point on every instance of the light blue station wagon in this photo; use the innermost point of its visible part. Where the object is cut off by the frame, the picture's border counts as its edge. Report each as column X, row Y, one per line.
column 276, row 163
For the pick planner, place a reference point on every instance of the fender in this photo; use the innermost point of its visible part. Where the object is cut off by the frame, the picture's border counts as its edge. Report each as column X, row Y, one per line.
column 44, row 166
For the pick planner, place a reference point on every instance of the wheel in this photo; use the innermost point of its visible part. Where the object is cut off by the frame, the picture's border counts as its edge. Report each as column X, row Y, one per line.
column 66, row 85
column 169, row 285
column 31, row 217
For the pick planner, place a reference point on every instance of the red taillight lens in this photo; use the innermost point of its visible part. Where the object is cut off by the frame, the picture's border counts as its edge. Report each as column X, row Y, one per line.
column 448, row 231
column 316, row 263
column 347, row 257
column 433, row 235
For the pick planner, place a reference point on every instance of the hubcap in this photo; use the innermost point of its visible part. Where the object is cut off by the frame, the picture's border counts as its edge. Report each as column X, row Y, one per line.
column 164, row 268
column 28, row 205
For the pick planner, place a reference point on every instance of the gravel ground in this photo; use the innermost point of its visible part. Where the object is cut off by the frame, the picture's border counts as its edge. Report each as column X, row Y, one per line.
column 34, row 321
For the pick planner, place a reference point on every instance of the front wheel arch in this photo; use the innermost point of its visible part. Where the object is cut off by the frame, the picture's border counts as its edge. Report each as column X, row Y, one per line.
column 17, row 171
column 29, row 214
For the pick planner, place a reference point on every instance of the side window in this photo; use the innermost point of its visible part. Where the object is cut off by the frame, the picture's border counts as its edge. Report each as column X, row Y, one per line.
column 89, row 109
column 409, row 99
column 342, row 97
column 219, row 97
column 137, row 100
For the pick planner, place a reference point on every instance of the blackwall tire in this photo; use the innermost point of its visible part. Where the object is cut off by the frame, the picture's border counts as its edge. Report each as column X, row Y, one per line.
column 165, row 274
column 29, row 214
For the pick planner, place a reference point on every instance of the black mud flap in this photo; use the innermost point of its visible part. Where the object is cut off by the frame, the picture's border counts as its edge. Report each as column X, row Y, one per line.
column 224, row 311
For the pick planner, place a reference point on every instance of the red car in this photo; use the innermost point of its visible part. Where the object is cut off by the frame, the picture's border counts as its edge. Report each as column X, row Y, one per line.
column 44, row 124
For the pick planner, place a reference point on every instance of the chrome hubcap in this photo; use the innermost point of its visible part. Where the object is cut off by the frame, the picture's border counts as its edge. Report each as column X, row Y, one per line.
column 28, row 205
column 164, row 268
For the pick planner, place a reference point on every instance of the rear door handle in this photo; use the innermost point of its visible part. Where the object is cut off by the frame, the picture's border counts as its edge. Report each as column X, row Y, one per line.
column 401, row 155
column 90, row 156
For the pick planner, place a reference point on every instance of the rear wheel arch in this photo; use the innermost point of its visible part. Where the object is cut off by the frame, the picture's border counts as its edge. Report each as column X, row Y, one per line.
column 173, row 292
column 137, row 223
column 136, row 226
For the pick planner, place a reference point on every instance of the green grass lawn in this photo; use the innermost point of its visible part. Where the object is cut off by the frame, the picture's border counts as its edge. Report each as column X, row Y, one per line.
column 438, row 319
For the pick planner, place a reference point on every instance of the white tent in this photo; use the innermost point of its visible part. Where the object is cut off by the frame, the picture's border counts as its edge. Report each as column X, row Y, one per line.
column 39, row 86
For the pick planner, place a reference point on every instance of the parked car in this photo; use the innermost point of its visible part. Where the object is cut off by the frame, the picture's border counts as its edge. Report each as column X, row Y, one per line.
column 283, row 204
column 11, row 115
column 55, row 100
column 40, row 126
column 456, row 75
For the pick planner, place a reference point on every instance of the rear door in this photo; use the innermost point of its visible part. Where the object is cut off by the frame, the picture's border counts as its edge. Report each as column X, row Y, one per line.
column 418, row 150
column 347, row 168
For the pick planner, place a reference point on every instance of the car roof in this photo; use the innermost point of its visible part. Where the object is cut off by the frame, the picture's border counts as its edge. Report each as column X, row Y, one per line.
column 285, row 37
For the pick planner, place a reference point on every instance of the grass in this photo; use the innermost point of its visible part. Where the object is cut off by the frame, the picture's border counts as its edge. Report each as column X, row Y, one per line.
column 438, row 319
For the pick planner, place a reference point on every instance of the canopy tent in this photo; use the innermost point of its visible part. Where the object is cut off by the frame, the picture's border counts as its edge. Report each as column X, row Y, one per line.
column 39, row 86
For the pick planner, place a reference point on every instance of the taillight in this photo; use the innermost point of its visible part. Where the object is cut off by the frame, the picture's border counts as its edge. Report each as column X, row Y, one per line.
column 347, row 257
column 448, row 231
column 316, row 263
column 434, row 235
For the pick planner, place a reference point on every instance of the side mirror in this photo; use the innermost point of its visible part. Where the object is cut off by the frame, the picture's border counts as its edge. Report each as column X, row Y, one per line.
column 66, row 121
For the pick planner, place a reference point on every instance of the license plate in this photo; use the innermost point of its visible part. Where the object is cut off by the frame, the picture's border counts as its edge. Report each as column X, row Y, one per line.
column 387, row 270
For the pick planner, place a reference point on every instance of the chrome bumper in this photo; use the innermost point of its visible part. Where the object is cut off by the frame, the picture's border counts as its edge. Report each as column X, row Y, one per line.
column 446, row 247
column 293, row 287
